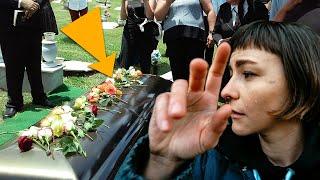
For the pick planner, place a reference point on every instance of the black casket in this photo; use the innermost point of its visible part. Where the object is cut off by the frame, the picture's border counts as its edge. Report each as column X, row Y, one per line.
column 112, row 141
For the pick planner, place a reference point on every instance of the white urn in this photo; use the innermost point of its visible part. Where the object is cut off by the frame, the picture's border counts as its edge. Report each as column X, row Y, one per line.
column 49, row 50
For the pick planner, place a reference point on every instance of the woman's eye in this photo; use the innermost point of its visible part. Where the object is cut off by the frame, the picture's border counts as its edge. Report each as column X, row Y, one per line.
column 248, row 74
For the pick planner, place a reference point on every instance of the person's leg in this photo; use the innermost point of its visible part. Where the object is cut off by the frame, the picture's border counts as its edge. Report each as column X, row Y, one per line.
column 178, row 59
column 182, row 51
column 84, row 11
column 12, row 50
column 209, row 55
column 146, row 46
column 133, row 37
column 194, row 48
column 123, row 55
column 74, row 14
column 33, row 66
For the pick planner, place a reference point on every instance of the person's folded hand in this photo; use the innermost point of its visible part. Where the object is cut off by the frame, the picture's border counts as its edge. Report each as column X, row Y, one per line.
column 30, row 5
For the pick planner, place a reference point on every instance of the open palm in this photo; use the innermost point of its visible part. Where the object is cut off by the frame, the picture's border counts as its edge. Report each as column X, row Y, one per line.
column 186, row 121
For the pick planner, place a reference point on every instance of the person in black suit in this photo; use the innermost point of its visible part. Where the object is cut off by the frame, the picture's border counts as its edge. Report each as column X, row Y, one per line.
column 235, row 13
column 21, row 49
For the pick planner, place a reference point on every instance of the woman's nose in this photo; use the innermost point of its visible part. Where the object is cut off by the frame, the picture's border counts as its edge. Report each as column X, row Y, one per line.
column 229, row 92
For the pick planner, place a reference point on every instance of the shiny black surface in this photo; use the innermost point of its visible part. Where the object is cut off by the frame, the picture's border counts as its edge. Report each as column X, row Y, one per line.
column 119, row 132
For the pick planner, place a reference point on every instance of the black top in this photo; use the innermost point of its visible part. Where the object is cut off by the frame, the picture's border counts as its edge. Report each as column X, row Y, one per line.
column 183, row 31
column 248, row 152
column 224, row 26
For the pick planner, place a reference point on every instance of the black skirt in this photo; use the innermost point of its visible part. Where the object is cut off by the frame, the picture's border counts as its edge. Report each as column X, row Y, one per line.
column 48, row 20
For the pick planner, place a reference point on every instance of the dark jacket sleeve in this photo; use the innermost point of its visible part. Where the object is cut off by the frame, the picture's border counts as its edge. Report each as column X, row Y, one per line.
column 256, row 12
column 223, row 27
column 9, row 4
column 135, row 162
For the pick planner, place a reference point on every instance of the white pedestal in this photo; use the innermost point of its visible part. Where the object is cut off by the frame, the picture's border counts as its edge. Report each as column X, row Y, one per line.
column 51, row 78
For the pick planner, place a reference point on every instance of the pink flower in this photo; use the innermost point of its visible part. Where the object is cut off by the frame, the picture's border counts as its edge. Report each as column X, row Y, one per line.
column 24, row 143
column 111, row 89
column 94, row 110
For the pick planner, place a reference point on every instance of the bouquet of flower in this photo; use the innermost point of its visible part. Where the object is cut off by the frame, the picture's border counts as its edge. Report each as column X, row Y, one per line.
column 61, row 129
column 65, row 125
column 127, row 78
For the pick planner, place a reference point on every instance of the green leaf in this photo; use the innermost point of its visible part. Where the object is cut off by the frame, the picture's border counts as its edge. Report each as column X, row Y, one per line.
column 97, row 123
column 87, row 126
column 68, row 146
column 81, row 134
column 105, row 101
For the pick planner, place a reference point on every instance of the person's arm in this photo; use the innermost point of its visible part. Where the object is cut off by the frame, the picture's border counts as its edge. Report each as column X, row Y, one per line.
column 208, row 9
column 161, row 168
column 217, row 37
column 149, row 7
column 186, row 122
column 123, row 11
column 162, row 9
column 281, row 14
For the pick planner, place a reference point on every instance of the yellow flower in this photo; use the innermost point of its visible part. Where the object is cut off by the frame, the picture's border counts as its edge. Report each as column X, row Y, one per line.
column 45, row 122
column 57, row 127
column 57, row 111
column 119, row 93
column 80, row 103
column 139, row 73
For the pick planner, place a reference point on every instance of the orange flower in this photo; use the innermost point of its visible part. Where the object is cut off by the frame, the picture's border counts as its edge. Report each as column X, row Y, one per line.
column 110, row 89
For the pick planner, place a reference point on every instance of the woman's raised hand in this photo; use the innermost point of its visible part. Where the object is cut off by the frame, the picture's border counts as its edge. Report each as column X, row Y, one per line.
column 186, row 121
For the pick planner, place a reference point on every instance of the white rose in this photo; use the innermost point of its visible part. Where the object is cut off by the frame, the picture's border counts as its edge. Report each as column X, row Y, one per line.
column 110, row 80
column 68, row 126
column 25, row 133
column 33, row 130
column 68, row 117
column 95, row 90
column 67, row 108
column 45, row 133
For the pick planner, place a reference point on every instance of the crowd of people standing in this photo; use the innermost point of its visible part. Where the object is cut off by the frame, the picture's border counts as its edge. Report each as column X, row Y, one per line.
column 269, row 73
column 195, row 28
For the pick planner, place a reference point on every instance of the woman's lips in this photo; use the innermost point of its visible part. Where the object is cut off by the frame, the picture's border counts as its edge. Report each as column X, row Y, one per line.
column 236, row 115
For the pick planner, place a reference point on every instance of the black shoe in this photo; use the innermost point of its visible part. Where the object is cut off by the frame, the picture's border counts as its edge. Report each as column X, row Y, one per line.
column 44, row 103
column 10, row 112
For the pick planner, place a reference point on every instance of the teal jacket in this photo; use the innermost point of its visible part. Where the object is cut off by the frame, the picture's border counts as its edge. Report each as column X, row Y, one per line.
column 234, row 158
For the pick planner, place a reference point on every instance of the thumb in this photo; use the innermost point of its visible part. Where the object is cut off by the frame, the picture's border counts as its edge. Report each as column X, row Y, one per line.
column 210, row 136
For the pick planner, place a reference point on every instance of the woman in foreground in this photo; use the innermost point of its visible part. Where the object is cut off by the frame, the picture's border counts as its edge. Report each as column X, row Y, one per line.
column 274, row 105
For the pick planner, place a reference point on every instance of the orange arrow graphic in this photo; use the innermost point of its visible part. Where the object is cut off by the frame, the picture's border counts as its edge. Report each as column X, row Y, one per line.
column 88, row 33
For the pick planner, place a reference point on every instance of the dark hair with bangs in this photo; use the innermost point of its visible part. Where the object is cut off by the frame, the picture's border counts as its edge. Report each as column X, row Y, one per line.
column 299, row 50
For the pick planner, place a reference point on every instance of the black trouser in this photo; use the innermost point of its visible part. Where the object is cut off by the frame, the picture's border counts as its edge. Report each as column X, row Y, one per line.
column 22, row 51
column 140, row 52
column 180, row 52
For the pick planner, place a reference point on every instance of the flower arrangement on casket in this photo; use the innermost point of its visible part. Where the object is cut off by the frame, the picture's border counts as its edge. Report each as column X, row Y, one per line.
column 65, row 125
column 61, row 129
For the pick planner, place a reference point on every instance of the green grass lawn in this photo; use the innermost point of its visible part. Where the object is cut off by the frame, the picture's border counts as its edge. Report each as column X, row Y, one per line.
column 71, row 51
